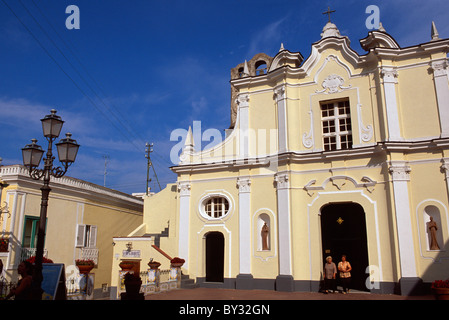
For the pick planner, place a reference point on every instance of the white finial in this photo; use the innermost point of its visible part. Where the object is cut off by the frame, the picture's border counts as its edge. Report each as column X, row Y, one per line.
column 381, row 27
column 245, row 69
column 434, row 32
column 282, row 47
column 189, row 144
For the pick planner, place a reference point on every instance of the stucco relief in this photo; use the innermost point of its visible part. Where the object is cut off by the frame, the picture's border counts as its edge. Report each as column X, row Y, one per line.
column 333, row 83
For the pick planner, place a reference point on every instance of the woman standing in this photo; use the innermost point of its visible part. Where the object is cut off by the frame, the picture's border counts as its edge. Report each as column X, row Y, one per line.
column 330, row 272
column 345, row 273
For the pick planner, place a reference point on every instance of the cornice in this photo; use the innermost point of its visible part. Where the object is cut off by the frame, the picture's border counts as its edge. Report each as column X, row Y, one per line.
column 420, row 49
column 316, row 156
column 72, row 187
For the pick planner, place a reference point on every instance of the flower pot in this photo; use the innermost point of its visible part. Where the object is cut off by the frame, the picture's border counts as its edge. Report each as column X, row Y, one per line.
column 85, row 268
column 154, row 264
column 441, row 293
column 126, row 266
column 177, row 264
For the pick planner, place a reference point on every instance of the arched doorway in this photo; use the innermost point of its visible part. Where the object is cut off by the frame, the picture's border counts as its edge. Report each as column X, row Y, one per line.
column 215, row 257
column 343, row 231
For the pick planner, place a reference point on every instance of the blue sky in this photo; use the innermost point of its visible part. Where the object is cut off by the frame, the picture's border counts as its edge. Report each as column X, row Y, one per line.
column 137, row 70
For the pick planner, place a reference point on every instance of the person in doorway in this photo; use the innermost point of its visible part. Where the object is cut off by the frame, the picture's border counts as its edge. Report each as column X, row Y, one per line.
column 345, row 273
column 330, row 272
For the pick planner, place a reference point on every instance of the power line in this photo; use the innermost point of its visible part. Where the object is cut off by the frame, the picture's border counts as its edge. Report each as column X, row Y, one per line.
column 118, row 119
column 81, row 76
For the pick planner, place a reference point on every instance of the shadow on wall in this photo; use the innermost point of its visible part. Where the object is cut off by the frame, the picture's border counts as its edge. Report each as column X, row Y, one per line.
column 437, row 270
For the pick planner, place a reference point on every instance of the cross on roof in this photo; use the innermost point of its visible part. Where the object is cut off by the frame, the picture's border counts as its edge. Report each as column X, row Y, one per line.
column 328, row 12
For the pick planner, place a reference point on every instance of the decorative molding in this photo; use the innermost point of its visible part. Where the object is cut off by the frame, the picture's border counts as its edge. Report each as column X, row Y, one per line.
column 242, row 100
column 366, row 132
column 279, row 93
column 332, row 84
column 307, row 137
column 400, row 172
column 244, row 184
column 445, row 168
column 439, row 68
column 339, row 182
column 184, row 188
column 282, row 181
column 389, row 74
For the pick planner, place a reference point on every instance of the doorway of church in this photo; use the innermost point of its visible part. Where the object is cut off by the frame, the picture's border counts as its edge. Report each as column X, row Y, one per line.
column 343, row 231
column 215, row 257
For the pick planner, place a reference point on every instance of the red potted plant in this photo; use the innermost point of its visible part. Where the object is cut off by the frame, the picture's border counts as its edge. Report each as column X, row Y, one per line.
column 177, row 262
column 85, row 265
column 440, row 289
column 4, row 242
column 126, row 265
column 153, row 264
column 44, row 260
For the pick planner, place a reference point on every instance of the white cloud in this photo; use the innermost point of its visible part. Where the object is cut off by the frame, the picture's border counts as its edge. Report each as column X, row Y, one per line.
column 265, row 38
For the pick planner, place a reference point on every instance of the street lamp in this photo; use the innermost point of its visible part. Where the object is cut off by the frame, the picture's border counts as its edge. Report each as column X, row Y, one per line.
column 32, row 155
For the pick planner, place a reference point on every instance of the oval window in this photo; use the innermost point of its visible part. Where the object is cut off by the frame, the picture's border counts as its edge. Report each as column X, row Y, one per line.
column 216, row 207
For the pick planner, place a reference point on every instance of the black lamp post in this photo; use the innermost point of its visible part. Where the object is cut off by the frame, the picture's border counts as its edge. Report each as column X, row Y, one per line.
column 32, row 155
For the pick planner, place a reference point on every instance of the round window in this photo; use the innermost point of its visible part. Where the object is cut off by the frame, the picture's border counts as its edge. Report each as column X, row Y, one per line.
column 216, row 207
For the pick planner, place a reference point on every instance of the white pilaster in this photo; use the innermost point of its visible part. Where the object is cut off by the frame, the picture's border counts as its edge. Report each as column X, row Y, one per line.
column 243, row 109
column 389, row 76
column 400, row 174
column 283, row 200
column 244, row 185
column 279, row 95
column 440, row 78
column 184, row 221
column 445, row 170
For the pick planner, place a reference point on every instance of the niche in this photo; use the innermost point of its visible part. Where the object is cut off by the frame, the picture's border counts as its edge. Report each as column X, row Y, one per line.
column 263, row 232
column 434, row 236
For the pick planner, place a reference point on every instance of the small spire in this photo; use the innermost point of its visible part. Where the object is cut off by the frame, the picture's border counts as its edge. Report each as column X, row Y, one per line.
column 381, row 27
column 282, row 47
column 434, row 32
column 246, row 69
column 189, row 144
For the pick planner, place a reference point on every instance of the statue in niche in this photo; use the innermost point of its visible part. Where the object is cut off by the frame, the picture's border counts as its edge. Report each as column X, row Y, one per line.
column 265, row 236
column 432, row 225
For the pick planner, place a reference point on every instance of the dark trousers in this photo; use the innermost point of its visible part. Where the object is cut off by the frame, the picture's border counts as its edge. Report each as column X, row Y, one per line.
column 329, row 284
column 345, row 283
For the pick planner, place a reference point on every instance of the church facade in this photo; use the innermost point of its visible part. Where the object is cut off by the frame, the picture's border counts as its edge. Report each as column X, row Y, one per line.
column 339, row 153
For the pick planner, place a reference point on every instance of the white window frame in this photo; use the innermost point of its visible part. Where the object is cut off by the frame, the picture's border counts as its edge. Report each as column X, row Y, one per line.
column 204, row 210
column 338, row 119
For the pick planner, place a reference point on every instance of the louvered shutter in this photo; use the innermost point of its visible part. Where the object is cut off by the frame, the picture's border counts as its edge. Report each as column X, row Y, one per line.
column 80, row 235
column 93, row 237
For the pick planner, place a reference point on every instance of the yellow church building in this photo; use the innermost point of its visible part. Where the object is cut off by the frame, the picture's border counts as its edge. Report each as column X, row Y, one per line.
column 339, row 153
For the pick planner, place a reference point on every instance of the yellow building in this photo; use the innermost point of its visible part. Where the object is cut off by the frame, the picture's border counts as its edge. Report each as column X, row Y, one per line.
column 82, row 220
column 339, row 153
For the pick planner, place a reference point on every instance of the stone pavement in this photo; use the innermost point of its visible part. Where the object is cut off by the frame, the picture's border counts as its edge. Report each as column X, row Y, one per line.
column 230, row 294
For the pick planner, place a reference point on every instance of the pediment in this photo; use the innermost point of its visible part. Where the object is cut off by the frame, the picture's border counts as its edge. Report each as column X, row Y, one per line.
column 337, row 47
column 378, row 39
